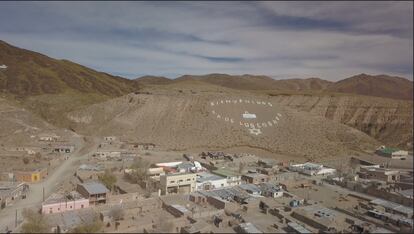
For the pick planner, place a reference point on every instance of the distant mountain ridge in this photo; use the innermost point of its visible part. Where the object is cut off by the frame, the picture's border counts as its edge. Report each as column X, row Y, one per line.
column 362, row 84
column 377, row 86
column 27, row 73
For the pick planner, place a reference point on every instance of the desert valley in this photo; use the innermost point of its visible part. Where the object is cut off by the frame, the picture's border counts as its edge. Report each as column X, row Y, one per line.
column 60, row 120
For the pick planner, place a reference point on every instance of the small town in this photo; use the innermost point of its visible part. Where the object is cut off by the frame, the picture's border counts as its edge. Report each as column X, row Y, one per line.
column 206, row 117
column 130, row 187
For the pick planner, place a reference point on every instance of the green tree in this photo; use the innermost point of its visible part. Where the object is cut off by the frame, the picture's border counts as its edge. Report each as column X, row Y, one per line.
column 139, row 171
column 34, row 222
column 108, row 179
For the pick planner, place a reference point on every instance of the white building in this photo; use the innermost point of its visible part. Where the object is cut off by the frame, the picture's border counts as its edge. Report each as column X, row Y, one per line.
column 48, row 137
column 208, row 181
column 312, row 169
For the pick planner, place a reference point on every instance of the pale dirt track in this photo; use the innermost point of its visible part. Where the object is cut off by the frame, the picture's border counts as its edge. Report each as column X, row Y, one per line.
column 51, row 183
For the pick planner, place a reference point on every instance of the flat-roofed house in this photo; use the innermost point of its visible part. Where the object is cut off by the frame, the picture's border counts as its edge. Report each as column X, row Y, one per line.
column 207, row 181
column 233, row 178
column 391, row 152
column 255, row 178
column 58, row 203
column 178, row 183
column 271, row 190
column 11, row 191
column 31, row 176
column 96, row 192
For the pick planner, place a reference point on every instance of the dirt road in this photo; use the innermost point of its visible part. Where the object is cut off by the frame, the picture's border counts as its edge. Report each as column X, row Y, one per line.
column 50, row 184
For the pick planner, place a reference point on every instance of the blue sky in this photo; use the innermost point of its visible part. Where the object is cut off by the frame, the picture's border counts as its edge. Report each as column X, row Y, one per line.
column 330, row 40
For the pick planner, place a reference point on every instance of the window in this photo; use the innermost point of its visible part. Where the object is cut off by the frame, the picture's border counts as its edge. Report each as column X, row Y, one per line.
column 222, row 185
column 71, row 207
column 58, row 208
column 188, row 179
column 172, row 181
column 180, row 181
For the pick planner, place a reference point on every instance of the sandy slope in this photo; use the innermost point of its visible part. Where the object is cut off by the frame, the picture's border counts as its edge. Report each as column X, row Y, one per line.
column 179, row 121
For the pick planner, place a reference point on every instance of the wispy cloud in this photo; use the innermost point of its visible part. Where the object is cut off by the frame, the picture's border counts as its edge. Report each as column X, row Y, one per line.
column 331, row 40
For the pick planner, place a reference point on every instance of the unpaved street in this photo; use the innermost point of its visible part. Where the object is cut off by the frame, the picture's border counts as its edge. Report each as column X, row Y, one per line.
column 50, row 184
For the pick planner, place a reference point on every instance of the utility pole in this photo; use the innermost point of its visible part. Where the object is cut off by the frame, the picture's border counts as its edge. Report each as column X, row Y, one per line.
column 15, row 220
column 43, row 189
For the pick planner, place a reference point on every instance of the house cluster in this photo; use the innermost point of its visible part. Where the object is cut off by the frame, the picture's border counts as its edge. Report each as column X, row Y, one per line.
column 87, row 194
column 392, row 153
column 312, row 169
column 221, row 192
column 11, row 192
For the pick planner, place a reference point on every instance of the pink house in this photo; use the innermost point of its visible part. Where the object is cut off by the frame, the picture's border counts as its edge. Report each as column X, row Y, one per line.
column 57, row 203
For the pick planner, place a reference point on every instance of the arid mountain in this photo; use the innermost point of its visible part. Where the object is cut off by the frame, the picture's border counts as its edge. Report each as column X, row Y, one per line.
column 309, row 84
column 69, row 95
column 252, row 82
column 377, row 86
column 29, row 73
column 51, row 87
column 20, row 125
column 187, row 120
column 153, row 80
column 387, row 120
column 244, row 82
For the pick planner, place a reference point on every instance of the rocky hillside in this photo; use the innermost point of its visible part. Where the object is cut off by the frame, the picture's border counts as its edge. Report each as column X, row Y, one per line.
column 28, row 73
column 49, row 87
column 387, row 120
column 17, row 125
column 179, row 121
column 377, row 86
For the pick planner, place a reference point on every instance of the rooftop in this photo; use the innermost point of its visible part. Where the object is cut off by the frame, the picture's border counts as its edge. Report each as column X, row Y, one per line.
column 91, row 167
column 226, row 172
column 270, row 187
column 249, row 228
column 254, row 175
column 393, row 206
column 94, row 187
column 407, row 192
column 180, row 208
column 57, row 197
column 250, row 187
column 205, row 176
column 298, row 228
column 388, row 150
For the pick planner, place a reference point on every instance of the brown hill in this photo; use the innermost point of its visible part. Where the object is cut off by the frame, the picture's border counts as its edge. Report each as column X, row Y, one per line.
column 153, row 80
column 51, row 87
column 387, row 120
column 185, row 120
column 254, row 82
column 29, row 73
column 378, row 86
column 244, row 82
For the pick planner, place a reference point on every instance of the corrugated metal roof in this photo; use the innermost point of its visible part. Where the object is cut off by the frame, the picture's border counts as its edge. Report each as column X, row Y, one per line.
column 249, row 228
column 298, row 228
column 95, row 187
column 393, row 206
